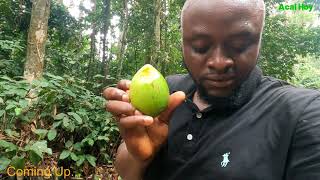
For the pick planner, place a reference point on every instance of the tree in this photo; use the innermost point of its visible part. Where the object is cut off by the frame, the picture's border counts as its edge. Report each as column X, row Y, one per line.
column 105, row 29
column 123, row 36
column 37, row 37
column 93, row 40
column 156, row 35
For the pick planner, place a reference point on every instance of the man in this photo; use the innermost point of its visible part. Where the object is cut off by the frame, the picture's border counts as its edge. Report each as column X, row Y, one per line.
column 224, row 120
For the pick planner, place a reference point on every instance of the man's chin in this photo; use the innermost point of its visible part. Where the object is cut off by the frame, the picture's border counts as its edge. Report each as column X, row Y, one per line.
column 213, row 94
column 219, row 93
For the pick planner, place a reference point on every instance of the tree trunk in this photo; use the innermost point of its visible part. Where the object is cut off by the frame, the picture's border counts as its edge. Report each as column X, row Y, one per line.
column 156, row 44
column 164, row 43
column 123, row 37
column 93, row 41
column 37, row 37
column 106, row 24
column 21, row 9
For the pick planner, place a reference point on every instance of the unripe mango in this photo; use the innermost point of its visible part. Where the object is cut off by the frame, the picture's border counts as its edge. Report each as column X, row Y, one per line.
column 149, row 91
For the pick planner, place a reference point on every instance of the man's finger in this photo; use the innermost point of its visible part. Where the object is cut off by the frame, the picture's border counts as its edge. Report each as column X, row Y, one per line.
column 112, row 93
column 124, row 84
column 134, row 121
column 120, row 108
column 175, row 100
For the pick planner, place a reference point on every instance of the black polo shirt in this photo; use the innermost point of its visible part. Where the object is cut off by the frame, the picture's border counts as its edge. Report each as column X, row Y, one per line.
column 274, row 136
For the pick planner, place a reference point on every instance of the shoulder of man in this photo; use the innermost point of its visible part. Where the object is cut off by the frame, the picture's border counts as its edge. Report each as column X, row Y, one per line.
column 180, row 82
column 288, row 93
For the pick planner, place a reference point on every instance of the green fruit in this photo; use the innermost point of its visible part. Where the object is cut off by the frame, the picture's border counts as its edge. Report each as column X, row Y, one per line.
column 149, row 91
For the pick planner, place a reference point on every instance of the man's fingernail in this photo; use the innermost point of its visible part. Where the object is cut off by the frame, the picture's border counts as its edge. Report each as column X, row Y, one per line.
column 125, row 97
column 128, row 83
column 148, row 120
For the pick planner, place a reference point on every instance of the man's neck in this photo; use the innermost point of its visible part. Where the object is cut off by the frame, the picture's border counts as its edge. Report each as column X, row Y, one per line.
column 199, row 102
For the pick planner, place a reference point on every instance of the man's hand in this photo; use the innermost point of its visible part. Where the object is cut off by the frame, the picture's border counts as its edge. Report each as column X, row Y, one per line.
column 143, row 135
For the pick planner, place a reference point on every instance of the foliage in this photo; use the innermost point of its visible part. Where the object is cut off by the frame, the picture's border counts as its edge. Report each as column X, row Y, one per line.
column 13, row 36
column 307, row 73
column 66, row 122
column 283, row 40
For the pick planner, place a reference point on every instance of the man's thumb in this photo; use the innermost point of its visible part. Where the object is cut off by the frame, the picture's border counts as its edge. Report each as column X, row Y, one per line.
column 175, row 100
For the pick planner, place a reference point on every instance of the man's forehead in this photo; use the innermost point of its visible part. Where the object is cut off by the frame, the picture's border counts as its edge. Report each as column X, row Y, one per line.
column 225, row 9
column 221, row 34
column 219, row 3
column 233, row 16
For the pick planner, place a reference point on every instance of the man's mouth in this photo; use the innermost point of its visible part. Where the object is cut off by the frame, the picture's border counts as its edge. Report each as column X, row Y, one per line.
column 219, row 81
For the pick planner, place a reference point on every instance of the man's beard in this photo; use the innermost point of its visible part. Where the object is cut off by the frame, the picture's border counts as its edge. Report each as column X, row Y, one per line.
column 203, row 93
column 238, row 96
column 210, row 99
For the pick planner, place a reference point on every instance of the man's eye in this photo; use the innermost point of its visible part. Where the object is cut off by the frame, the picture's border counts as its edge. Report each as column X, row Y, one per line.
column 201, row 50
column 239, row 49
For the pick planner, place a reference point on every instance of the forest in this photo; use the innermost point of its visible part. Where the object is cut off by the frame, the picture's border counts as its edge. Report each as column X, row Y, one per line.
column 54, row 66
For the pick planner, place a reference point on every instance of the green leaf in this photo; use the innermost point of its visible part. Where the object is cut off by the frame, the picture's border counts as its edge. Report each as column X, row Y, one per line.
column 44, row 84
column 74, row 157
column 8, row 146
column 10, row 106
column 66, row 122
column 20, row 92
column 70, row 93
column 12, row 133
column 4, row 163
column 105, row 138
column 18, row 111
column 71, row 127
column 8, row 79
column 91, row 160
column 77, row 146
column 23, row 103
column 1, row 101
column 76, row 117
column 64, row 154
column 39, row 148
column 89, row 141
column 60, row 116
column 52, row 134
column 68, row 144
column 80, row 161
column 2, row 112
column 18, row 162
column 56, row 124
column 34, row 157
column 54, row 77
column 41, row 132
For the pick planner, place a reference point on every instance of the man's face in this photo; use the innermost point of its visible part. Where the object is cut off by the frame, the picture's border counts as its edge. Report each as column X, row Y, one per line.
column 221, row 42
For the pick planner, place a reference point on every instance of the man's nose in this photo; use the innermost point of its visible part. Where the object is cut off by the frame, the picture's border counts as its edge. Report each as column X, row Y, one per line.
column 219, row 62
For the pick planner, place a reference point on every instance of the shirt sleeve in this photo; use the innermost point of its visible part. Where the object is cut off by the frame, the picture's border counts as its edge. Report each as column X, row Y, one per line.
column 304, row 154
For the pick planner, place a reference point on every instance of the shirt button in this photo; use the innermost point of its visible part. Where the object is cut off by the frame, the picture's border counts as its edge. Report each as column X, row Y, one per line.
column 199, row 115
column 189, row 137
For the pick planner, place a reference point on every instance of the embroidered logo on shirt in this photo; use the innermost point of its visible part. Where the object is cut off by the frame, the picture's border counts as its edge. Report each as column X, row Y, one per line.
column 225, row 160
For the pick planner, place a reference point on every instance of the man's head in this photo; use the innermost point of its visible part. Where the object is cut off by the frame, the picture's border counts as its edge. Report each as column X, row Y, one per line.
column 221, row 42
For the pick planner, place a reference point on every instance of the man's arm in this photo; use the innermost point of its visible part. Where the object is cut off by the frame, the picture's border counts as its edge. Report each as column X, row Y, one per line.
column 304, row 154
column 128, row 167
